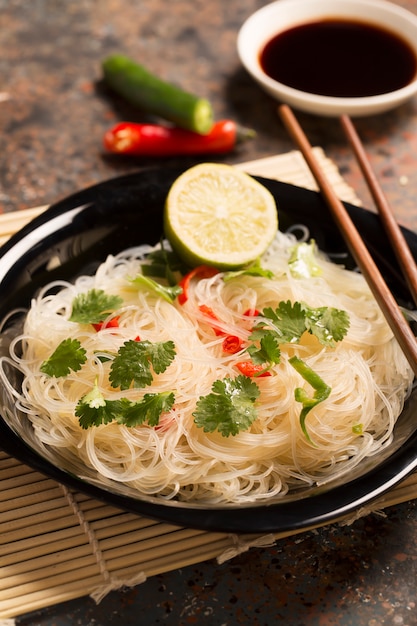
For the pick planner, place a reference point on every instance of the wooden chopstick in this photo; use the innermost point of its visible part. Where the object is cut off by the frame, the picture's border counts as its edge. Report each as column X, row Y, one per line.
column 395, row 235
column 355, row 243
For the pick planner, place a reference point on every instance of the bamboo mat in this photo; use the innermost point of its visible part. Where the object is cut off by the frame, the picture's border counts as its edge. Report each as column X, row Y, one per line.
column 57, row 544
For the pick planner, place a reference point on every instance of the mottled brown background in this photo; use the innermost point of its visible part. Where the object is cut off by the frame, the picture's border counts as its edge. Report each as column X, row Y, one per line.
column 51, row 126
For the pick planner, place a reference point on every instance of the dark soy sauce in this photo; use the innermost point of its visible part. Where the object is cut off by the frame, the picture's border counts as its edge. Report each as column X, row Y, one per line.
column 342, row 58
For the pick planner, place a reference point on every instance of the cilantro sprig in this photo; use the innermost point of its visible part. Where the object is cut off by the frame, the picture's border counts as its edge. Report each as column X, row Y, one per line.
column 93, row 409
column 168, row 293
column 254, row 269
column 164, row 263
column 327, row 324
column 288, row 322
column 148, row 410
column 132, row 365
column 68, row 355
column 267, row 352
column 229, row 408
column 93, row 306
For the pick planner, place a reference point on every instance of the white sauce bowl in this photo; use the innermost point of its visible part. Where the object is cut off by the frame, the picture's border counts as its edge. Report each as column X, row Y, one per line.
column 282, row 15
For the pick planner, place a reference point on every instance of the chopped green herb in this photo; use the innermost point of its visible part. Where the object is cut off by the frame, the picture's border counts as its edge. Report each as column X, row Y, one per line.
column 302, row 261
column 168, row 293
column 327, row 324
column 321, row 391
column 229, row 408
column 149, row 409
column 133, row 362
column 163, row 263
column 92, row 307
column 69, row 355
column 357, row 429
column 268, row 351
column 290, row 321
column 93, row 409
column 254, row 269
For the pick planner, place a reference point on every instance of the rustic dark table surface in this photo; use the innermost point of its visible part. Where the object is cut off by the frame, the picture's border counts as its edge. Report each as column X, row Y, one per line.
column 53, row 113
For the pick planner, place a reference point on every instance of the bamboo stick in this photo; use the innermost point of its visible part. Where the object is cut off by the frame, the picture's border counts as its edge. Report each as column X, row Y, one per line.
column 76, row 557
column 28, row 547
column 48, row 596
column 16, row 531
column 56, row 505
column 28, row 478
column 21, row 498
column 76, row 579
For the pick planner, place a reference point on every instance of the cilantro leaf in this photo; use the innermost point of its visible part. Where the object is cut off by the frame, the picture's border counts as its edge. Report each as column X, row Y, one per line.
column 69, row 355
column 163, row 263
column 149, row 409
column 94, row 416
column 287, row 324
column 161, row 354
column 92, row 307
column 268, row 352
column 93, row 409
column 167, row 293
column 321, row 391
column 327, row 324
column 254, row 269
column 229, row 408
column 133, row 362
column 288, row 321
column 302, row 262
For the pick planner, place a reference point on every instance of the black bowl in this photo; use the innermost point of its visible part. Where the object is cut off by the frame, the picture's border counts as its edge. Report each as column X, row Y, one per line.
column 75, row 235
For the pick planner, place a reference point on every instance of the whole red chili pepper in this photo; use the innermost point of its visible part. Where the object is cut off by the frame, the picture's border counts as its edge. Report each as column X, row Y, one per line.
column 155, row 140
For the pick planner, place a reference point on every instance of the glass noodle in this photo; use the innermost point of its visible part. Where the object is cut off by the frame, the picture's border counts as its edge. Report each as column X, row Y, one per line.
column 367, row 372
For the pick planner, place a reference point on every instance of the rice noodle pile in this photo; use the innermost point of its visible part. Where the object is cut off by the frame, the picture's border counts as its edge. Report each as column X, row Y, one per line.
column 367, row 372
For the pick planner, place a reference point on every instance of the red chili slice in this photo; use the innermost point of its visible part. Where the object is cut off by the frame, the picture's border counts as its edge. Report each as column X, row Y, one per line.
column 208, row 312
column 247, row 368
column 232, row 344
column 112, row 323
column 201, row 271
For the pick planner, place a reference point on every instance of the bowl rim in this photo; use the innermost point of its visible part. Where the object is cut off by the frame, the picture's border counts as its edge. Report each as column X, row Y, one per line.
column 316, row 103
column 81, row 231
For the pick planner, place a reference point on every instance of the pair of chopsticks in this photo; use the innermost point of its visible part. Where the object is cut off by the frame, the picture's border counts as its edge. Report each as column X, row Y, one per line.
column 354, row 241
